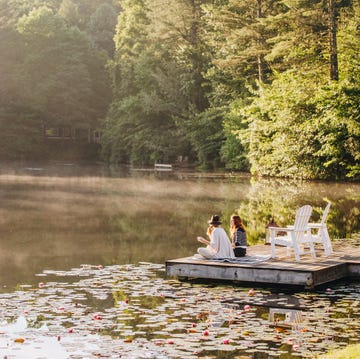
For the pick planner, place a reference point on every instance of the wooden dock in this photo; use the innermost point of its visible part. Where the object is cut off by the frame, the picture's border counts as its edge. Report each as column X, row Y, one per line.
column 309, row 272
column 163, row 167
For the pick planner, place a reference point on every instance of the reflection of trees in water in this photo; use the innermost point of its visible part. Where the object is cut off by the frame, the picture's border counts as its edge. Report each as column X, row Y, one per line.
column 344, row 221
column 276, row 198
column 61, row 222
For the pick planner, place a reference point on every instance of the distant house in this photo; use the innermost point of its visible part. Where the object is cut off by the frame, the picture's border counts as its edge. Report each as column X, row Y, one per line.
column 74, row 134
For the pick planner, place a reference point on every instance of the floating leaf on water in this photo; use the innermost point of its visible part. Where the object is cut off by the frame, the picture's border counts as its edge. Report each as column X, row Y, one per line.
column 19, row 340
column 82, row 297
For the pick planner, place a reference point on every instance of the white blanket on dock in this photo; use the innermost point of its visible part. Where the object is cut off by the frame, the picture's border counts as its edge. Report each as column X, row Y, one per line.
column 246, row 260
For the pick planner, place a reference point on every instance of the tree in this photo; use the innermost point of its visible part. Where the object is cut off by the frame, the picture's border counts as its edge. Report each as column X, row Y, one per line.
column 64, row 78
column 334, row 70
column 20, row 126
column 280, row 135
column 187, row 43
column 141, row 126
column 102, row 28
column 238, row 35
column 53, row 76
column 304, row 124
column 69, row 10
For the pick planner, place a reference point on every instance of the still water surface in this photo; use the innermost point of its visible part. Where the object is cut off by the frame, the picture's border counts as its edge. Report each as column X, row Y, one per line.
column 97, row 240
column 97, row 216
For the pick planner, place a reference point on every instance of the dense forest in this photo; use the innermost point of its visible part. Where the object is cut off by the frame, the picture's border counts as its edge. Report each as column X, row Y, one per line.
column 271, row 87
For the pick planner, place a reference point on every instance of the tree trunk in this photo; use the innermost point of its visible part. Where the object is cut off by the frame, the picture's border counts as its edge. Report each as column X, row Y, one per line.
column 196, row 57
column 260, row 57
column 334, row 70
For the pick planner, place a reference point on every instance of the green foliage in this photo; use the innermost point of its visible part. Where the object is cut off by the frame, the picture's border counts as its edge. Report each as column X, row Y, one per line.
column 128, row 138
column 241, row 84
column 240, row 37
column 102, row 28
column 54, row 77
column 298, row 38
column 20, row 125
column 21, row 133
column 207, row 137
column 12, row 10
column 131, row 30
column 141, row 127
column 300, row 129
column 233, row 151
column 154, row 91
column 302, row 125
column 69, row 10
column 63, row 75
column 338, row 119
column 280, row 133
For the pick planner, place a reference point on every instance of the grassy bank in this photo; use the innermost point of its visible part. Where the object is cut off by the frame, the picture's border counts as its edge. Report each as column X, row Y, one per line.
column 350, row 352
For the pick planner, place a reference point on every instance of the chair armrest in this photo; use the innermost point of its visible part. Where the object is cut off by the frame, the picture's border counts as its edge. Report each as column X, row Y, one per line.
column 281, row 229
column 315, row 225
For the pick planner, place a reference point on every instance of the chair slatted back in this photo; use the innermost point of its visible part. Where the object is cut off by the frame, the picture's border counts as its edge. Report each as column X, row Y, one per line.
column 301, row 220
column 325, row 214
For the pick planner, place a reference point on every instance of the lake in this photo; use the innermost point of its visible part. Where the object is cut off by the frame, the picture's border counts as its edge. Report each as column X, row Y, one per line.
column 62, row 216
column 62, row 222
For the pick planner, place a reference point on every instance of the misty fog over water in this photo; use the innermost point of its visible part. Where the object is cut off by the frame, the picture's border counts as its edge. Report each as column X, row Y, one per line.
column 65, row 215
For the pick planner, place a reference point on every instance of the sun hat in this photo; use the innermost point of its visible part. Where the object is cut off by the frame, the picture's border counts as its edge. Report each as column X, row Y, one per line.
column 215, row 219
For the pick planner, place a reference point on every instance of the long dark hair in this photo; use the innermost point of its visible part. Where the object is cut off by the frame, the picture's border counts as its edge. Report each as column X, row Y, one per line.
column 235, row 223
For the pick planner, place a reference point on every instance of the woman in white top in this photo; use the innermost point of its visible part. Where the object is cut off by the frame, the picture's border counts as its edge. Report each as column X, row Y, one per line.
column 219, row 245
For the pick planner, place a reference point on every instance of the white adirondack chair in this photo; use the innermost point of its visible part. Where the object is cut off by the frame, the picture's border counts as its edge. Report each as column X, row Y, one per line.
column 320, row 234
column 296, row 236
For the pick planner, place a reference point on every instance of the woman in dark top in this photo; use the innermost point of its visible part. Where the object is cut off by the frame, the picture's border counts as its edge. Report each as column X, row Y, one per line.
column 238, row 236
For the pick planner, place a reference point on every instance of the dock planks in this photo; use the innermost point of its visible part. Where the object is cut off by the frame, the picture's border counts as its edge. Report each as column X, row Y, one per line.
column 309, row 272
